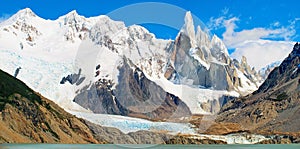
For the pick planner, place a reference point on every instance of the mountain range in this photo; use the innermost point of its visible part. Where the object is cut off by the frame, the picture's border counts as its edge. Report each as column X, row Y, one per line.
column 96, row 68
column 59, row 49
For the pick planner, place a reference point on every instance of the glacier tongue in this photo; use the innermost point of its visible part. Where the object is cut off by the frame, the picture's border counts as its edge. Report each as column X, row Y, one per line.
column 129, row 124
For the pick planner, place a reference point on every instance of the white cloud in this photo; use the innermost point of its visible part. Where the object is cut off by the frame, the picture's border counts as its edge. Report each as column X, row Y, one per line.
column 260, row 45
column 233, row 38
column 261, row 53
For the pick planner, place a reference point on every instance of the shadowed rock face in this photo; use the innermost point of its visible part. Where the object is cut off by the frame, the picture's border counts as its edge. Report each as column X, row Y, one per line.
column 73, row 78
column 135, row 95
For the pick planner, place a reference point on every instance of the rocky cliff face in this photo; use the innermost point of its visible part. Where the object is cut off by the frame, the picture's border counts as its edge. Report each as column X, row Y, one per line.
column 275, row 106
column 135, row 95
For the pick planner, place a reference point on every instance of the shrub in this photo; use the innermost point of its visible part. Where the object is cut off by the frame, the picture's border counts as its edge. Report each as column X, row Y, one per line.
column 282, row 96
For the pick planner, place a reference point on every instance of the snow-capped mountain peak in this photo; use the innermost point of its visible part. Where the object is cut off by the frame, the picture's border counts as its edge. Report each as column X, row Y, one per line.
column 217, row 42
column 27, row 12
column 72, row 17
column 203, row 39
column 189, row 29
column 23, row 15
column 203, row 61
column 73, row 13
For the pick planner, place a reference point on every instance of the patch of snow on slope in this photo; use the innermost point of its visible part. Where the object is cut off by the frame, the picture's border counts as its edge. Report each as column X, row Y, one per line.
column 193, row 53
column 238, row 138
column 42, row 76
column 247, row 85
column 192, row 96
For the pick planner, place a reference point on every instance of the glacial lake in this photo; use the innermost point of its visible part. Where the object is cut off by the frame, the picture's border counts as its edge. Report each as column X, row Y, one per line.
column 122, row 146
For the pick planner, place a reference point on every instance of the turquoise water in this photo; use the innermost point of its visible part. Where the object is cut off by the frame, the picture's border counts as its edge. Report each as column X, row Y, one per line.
column 96, row 146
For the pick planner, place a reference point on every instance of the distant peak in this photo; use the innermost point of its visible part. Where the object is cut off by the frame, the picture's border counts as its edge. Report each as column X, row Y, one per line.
column 188, row 28
column 188, row 20
column 27, row 12
column 297, row 46
column 72, row 13
column 217, row 41
column 296, row 50
column 244, row 59
column 72, row 17
column 188, row 16
column 22, row 15
column 199, row 28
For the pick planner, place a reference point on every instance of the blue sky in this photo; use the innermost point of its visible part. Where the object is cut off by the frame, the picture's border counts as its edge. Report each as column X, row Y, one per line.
column 246, row 27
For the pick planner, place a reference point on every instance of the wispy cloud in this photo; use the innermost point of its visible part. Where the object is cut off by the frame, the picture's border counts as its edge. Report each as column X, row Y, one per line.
column 276, row 24
column 216, row 23
column 225, row 11
column 261, row 45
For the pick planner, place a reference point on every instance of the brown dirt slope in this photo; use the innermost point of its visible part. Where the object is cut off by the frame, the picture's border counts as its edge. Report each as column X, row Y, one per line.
column 26, row 117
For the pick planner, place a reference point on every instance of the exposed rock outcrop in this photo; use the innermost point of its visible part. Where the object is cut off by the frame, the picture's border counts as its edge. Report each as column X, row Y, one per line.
column 135, row 96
